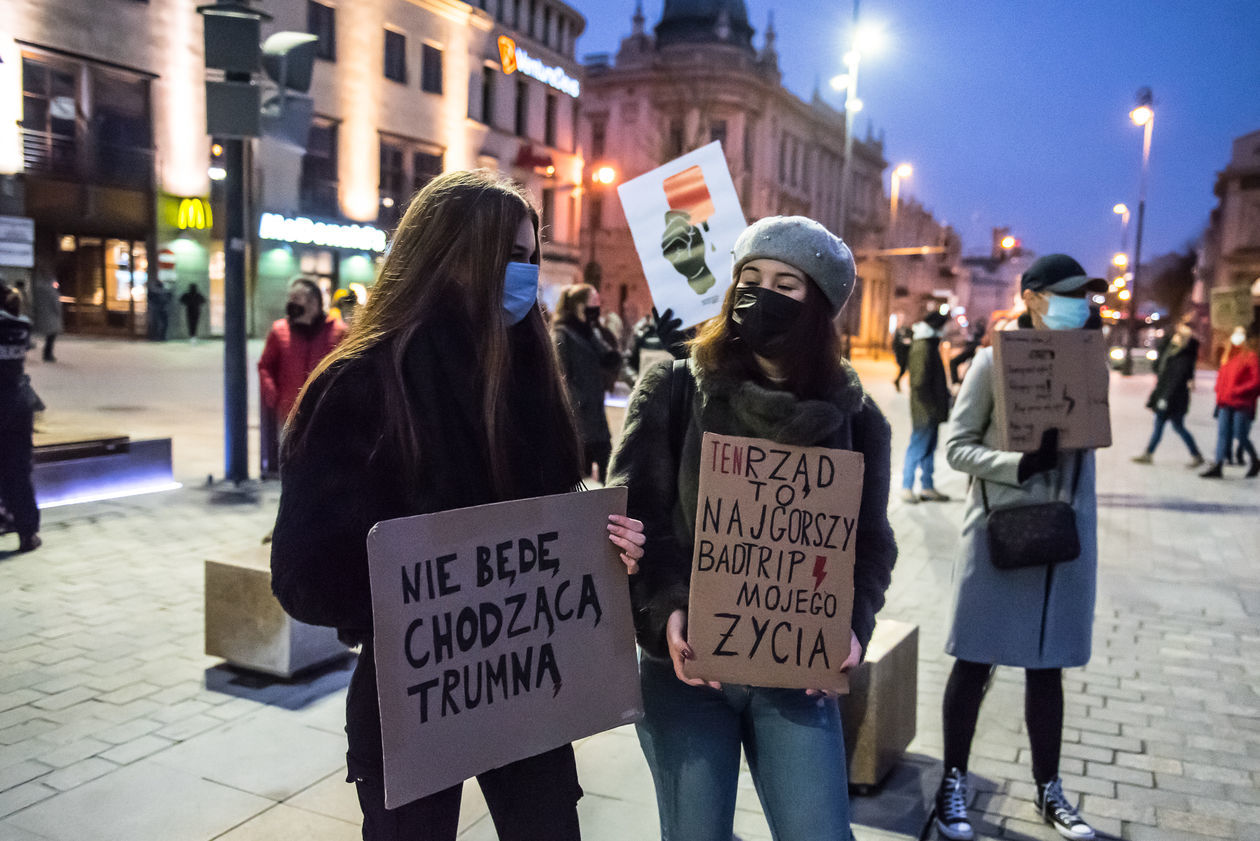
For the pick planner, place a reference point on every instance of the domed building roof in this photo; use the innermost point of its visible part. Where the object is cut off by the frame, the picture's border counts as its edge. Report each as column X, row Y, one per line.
column 704, row 21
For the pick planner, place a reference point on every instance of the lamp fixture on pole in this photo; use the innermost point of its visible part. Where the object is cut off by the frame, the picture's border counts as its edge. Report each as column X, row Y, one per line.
column 1142, row 115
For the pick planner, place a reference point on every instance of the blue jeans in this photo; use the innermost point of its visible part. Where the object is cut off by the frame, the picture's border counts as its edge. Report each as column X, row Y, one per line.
column 691, row 737
column 1178, row 426
column 1232, row 425
column 921, row 454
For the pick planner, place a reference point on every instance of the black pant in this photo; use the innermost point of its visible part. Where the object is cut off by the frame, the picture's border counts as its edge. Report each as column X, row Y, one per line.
column 16, row 426
column 534, row 799
column 49, row 340
column 193, row 315
column 1043, row 715
column 597, row 453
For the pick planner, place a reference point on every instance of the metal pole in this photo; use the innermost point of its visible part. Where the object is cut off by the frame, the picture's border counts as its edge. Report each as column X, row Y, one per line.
column 1126, row 367
column 235, row 393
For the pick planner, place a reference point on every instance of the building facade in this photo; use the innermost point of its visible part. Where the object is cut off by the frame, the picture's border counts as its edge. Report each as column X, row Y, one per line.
column 919, row 278
column 1229, row 257
column 109, row 153
column 697, row 78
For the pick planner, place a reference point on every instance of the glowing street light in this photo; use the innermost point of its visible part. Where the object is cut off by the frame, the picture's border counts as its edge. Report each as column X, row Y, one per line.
column 1120, row 260
column 1122, row 210
column 1009, row 242
column 605, row 175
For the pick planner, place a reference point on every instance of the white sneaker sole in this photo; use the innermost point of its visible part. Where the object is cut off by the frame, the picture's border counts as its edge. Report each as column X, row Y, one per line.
column 955, row 833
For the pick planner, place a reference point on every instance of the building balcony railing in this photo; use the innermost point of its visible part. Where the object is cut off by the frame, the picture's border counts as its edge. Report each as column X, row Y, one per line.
column 73, row 159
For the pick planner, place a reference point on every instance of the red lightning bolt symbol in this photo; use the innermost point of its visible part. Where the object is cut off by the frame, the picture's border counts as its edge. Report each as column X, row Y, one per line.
column 820, row 570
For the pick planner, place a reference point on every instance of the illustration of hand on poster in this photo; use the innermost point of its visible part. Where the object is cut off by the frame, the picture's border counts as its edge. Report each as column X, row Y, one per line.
column 685, row 217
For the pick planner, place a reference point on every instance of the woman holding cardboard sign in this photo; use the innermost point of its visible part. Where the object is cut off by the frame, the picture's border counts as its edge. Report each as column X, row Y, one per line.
column 768, row 367
column 446, row 394
column 1022, row 607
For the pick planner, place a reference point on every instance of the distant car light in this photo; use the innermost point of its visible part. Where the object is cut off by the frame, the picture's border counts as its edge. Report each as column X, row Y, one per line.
column 1152, row 355
column 1117, row 353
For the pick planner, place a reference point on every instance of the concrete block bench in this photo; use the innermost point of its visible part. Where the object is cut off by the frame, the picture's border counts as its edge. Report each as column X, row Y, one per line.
column 246, row 626
column 879, row 711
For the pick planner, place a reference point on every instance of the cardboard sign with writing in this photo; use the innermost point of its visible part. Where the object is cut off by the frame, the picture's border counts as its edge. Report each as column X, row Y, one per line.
column 1051, row 378
column 772, row 570
column 685, row 217
column 501, row 632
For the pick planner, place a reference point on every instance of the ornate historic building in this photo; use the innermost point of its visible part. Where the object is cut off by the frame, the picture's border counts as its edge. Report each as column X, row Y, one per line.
column 1229, row 260
column 698, row 77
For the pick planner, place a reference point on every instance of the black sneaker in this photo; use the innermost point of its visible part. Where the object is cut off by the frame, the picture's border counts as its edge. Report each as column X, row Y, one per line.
column 1060, row 814
column 951, row 807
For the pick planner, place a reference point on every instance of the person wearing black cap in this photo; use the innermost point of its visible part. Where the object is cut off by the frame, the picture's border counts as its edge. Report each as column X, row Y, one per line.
column 1038, row 618
column 769, row 366
column 929, row 407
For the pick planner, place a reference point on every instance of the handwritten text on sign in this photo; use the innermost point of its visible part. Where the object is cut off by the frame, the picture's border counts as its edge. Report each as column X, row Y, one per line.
column 501, row 632
column 1051, row 378
column 772, row 570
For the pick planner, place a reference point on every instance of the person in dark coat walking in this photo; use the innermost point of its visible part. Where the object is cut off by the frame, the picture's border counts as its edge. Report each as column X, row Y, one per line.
column 16, row 422
column 445, row 395
column 1170, row 400
column 1037, row 618
column 929, row 408
column 768, row 366
column 47, row 313
column 587, row 362
column 193, row 301
column 902, row 339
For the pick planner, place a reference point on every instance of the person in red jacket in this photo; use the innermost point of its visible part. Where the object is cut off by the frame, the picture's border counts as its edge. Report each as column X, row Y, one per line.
column 1237, row 387
column 295, row 345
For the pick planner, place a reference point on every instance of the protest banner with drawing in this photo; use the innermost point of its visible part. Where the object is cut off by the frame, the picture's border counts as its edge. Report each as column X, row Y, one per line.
column 772, row 569
column 501, row 632
column 685, row 217
column 1051, row 378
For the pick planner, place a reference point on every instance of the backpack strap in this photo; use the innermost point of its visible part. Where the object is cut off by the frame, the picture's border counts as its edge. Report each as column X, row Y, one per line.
column 682, row 387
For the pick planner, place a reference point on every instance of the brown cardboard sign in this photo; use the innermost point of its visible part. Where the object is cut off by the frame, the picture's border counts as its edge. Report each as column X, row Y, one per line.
column 1051, row 378
column 772, row 570
column 501, row 632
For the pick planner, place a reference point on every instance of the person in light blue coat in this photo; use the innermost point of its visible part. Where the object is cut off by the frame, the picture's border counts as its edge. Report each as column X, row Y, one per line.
column 1037, row 618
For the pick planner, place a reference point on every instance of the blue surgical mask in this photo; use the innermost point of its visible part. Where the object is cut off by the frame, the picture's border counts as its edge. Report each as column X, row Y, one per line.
column 520, row 291
column 1066, row 313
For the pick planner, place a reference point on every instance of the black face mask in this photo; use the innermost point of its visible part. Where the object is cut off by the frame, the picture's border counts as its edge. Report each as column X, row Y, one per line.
column 294, row 310
column 592, row 315
column 764, row 319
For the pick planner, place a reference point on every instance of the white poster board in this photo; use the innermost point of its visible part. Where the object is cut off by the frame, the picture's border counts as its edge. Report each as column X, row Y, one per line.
column 501, row 632
column 685, row 217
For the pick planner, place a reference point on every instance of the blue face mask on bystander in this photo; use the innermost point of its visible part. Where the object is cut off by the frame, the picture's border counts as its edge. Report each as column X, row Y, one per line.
column 1066, row 313
column 520, row 291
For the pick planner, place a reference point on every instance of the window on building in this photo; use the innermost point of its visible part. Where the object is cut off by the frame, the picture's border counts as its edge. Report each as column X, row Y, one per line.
column 531, row 23
column 546, row 33
column 717, row 131
column 522, row 108
column 488, row 76
column 317, row 190
column 430, row 69
column 676, row 139
column 547, row 228
column 395, row 56
column 549, row 127
column 783, row 158
column 425, row 166
column 393, row 185
column 599, row 138
column 597, row 212
column 749, row 151
column 321, row 22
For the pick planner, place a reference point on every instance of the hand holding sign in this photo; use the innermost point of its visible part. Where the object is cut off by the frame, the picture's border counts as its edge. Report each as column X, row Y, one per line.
column 627, row 534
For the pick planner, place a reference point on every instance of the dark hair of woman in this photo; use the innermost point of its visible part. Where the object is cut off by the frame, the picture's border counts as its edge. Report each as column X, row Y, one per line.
column 448, row 260
column 812, row 364
column 311, row 287
column 572, row 302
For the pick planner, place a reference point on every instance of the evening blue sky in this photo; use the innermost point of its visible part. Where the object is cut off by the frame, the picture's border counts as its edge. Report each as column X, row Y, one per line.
column 1015, row 112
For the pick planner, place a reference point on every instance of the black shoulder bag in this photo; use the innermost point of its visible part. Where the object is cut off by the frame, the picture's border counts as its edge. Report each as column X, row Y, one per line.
column 1037, row 534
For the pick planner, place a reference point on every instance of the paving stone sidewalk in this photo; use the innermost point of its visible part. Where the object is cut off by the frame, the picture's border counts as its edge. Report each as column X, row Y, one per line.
column 114, row 725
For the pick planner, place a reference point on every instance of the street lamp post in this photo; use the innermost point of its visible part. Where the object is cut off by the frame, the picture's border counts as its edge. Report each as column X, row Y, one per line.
column 601, row 179
column 894, row 202
column 1143, row 115
column 1122, row 210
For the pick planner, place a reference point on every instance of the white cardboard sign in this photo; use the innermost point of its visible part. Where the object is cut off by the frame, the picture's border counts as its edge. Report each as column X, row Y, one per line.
column 685, row 217
column 501, row 632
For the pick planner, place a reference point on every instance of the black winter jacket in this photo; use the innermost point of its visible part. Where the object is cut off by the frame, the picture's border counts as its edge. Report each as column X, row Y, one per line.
column 929, row 389
column 663, row 493
column 1174, row 372
column 585, row 361
column 349, row 475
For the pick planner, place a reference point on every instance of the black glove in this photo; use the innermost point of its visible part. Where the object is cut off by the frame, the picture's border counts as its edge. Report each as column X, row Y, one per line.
column 672, row 338
column 1046, row 457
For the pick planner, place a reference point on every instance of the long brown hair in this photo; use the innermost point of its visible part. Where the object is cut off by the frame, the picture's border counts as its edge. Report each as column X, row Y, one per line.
column 451, row 249
column 811, row 364
column 570, row 306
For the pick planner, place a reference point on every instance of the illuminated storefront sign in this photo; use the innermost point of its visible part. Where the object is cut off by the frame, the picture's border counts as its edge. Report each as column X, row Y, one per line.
column 194, row 215
column 305, row 231
column 515, row 58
